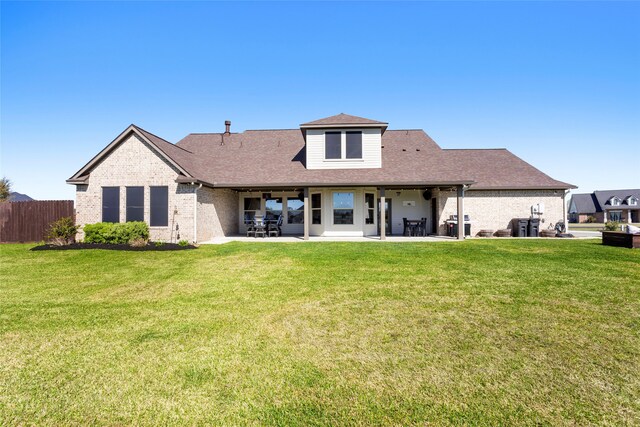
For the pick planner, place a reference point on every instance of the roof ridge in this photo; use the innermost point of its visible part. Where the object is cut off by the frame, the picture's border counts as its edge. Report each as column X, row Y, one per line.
column 475, row 149
column 160, row 138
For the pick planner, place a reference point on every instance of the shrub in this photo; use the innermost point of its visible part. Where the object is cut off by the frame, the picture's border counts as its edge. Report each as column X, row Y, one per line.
column 62, row 231
column 590, row 219
column 159, row 243
column 138, row 243
column 612, row 226
column 183, row 243
column 115, row 232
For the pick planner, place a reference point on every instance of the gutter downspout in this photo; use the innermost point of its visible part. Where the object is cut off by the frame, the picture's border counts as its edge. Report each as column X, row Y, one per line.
column 564, row 210
column 195, row 213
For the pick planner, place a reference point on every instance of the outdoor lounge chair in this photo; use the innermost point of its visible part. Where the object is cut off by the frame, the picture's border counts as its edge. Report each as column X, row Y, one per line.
column 251, row 229
column 275, row 228
column 260, row 228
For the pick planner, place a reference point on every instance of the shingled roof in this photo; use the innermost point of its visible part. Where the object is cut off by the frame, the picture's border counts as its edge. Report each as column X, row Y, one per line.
column 276, row 158
column 343, row 119
column 583, row 203
column 603, row 198
column 599, row 200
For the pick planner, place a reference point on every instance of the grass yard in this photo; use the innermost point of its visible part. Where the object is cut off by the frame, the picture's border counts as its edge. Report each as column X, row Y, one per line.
column 593, row 226
column 481, row 332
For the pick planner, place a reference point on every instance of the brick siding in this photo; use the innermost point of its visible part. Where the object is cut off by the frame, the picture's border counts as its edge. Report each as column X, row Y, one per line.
column 135, row 163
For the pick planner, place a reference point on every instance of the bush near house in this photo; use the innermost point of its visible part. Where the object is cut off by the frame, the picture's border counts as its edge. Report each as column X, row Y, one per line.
column 116, row 233
column 612, row 226
column 62, row 231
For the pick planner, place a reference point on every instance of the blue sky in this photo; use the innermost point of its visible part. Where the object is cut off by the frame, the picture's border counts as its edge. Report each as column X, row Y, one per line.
column 557, row 83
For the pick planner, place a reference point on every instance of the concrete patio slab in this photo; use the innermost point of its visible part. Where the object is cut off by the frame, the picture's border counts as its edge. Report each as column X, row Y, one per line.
column 299, row 239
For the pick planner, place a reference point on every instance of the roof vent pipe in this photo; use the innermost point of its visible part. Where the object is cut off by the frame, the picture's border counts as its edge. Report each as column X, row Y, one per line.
column 227, row 127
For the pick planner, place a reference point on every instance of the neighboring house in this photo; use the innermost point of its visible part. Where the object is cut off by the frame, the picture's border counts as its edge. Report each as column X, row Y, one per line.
column 608, row 205
column 329, row 177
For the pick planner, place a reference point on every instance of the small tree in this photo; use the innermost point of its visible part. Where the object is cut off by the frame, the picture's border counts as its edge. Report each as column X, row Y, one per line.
column 5, row 189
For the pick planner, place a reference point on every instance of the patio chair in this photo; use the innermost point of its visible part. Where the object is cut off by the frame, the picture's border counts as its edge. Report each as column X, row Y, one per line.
column 407, row 230
column 421, row 229
column 251, row 229
column 275, row 228
column 260, row 228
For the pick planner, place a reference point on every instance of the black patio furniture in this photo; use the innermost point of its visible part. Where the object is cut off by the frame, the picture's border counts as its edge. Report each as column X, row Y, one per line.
column 407, row 231
column 414, row 227
column 421, row 228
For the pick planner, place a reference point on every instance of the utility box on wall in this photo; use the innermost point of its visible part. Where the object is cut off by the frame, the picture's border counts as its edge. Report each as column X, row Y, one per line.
column 537, row 209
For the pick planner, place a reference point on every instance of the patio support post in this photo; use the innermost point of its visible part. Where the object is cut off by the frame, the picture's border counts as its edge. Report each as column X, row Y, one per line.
column 629, row 216
column 306, row 213
column 461, row 212
column 604, row 212
column 383, row 219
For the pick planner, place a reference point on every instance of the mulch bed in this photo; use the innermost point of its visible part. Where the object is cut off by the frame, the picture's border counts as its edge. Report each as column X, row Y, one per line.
column 148, row 247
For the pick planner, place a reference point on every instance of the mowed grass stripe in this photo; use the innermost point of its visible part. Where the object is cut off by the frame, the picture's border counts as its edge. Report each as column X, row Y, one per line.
column 481, row 332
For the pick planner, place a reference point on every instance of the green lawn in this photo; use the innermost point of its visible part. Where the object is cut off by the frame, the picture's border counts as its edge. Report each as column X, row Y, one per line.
column 481, row 332
column 593, row 226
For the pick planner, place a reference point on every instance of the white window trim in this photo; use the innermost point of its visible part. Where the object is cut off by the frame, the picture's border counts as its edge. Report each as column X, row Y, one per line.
column 343, row 146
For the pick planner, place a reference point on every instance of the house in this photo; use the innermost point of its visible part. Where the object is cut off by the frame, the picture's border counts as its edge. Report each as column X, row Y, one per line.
column 603, row 206
column 328, row 177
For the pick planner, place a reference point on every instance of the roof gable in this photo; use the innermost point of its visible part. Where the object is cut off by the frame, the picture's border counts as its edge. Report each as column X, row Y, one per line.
column 583, row 203
column 343, row 120
column 177, row 156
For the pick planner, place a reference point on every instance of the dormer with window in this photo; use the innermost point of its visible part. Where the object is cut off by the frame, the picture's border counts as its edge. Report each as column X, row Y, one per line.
column 615, row 201
column 343, row 142
column 632, row 201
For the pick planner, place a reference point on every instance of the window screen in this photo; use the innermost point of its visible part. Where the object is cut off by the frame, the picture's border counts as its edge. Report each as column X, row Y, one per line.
column 332, row 145
column 273, row 208
column 343, row 208
column 135, row 204
column 159, row 202
column 295, row 211
column 354, row 145
column 110, row 204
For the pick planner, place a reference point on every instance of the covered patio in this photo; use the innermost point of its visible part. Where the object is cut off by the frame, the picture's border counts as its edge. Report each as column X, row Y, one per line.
column 309, row 212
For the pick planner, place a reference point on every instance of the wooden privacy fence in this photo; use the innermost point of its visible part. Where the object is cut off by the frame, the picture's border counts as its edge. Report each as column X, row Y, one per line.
column 28, row 221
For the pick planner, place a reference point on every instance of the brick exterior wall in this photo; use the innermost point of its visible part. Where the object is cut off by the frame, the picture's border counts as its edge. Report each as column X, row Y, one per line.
column 495, row 209
column 217, row 213
column 135, row 163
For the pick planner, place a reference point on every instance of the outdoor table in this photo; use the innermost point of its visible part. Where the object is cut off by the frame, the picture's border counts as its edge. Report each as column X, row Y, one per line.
column 414, row 224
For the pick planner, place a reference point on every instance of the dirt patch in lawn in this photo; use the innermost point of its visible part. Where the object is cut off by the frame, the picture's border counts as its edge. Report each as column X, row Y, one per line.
column 149, row 247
